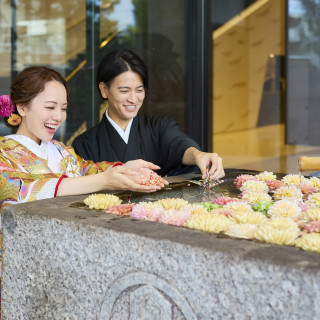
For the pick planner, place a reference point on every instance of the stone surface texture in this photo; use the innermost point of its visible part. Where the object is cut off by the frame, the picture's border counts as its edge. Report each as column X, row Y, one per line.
column 62, row 262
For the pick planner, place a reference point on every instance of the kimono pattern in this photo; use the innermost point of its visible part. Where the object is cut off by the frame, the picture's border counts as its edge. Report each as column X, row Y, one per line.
column 25, row 176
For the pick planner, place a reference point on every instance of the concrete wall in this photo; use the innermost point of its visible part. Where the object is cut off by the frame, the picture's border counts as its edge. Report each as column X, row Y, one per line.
column 71, row 263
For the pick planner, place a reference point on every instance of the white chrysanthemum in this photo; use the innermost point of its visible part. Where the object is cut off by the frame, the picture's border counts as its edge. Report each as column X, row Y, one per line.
column 311, row 214
column 101, row 201
column 287, row 192
column 209, row 222
column 293, row 179
column 251, row 217
column 309, row 242
column 195, row 208
column 253, row 197
column 266, row 176
column 245, row 231
column 284, row 208
column 172, row 203
column 315, row 182
column 238, row 206
column 278, row 231
column 254, row 186
column 313, row 200
column 151, row 205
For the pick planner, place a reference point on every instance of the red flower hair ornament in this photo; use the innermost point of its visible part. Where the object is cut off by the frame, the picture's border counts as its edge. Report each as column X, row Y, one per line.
column 7, row 110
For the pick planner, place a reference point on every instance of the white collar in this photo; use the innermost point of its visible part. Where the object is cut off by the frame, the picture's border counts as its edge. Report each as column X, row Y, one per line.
column 123, row 134
column 40, row 150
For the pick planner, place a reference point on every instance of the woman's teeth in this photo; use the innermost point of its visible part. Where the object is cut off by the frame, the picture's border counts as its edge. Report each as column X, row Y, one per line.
column 50, row 126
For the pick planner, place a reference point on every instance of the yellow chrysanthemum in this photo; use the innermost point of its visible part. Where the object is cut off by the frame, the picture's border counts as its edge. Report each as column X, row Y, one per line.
column 309, row 242
column 102, row 201
column 172, row 203
column 238, row 206
column 149, row 204
column 251, row 217
column 287, row 192
column 266, row 176
column 245, row 231
column 209, row 222
column 254, row 186
column 313, row 200
column 253, row 197
column 311, row 214
column 294, row 179
column 278, row 231
column 195, row 209
column 284, row 208
column 315, row 182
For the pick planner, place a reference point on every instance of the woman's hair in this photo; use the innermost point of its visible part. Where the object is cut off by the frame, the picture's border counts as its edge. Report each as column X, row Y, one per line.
column 117, row 62
column 30, row 82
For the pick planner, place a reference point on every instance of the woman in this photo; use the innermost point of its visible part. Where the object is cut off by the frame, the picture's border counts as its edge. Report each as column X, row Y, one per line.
column 33, row 166
column 124, row 134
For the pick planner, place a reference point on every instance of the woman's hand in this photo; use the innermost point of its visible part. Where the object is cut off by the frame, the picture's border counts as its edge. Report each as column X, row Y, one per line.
column 122, row 178
column 145, row 172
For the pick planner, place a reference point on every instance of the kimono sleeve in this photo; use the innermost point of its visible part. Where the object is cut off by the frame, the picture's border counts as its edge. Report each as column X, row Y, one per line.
column 85, row 167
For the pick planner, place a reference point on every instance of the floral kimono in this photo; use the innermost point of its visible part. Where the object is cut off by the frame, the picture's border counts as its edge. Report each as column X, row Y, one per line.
column 29, row 171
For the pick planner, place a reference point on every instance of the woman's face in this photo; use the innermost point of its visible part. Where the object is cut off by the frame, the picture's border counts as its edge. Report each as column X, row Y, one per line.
column 45, row 113
column 125, row 97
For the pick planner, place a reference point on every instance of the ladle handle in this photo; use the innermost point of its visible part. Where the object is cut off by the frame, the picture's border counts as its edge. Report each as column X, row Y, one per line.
column 309, row 163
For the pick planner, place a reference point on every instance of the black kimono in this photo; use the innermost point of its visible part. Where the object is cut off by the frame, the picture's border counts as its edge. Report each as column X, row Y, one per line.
column 155, row 139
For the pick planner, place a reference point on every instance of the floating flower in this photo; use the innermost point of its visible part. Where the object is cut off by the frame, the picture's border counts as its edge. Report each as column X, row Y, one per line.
column 274, row 184
column 312, row 226
column 309, row 242
column 278, row 231
column 120, row 209
column 266, row 176
column 315, row 182
column 194, row 209
column 174, row 217
column 293, row 179
column 254, row 186
column 172, row 203
column 250, row 217
column 245, row 231
column 313, row 200
column 262, row 206
column 287, row 192
column 226, row 212
column 306, row 188
column 238, row 206
column 224, row 200
column 238, row 182
column 209, row 206
column 285, row 208
column 310, row 214
column 143, row 211
column 210, row 222
column 101, row 201
column 254, row 197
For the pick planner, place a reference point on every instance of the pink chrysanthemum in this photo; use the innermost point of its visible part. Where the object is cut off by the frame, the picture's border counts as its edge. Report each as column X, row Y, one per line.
column 145, row 212
column 121, row 209
column 238, row 182
column 303, row 206
column 307, row 188
column 174, row 217
column 6, row 106
column 274, row 184
column 312, row 226
column 254, row 186
column 224, row 200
